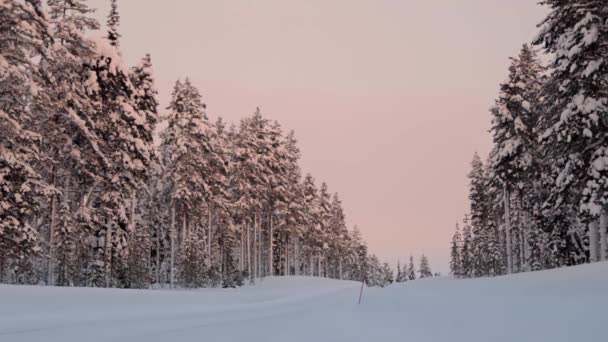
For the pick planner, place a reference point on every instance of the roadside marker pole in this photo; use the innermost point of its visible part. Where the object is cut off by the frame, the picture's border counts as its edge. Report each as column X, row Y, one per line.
column 361, row 292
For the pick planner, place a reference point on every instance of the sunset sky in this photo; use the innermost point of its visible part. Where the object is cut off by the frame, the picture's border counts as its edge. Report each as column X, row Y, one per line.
column 389, row 99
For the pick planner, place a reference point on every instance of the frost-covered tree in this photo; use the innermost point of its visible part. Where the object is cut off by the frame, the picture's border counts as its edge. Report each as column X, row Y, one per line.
column 466, row 252
column 574, row 34
column 192, row 264
column 389, row 276
column 425, row 269
column 455, row 254
column 399, row 276
column 411, row 270
column 23, row 38
column 113, row 23
column 514, row 123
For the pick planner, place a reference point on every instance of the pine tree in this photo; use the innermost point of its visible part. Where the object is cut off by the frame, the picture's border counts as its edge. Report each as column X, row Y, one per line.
column 399, row 277
column 573, row 33
column 192, row 269
column 455, row 256
column 23, row 37
column 67, row 116
column 113, row 23
column 411, row 271
column 389, row 277
column 466, row 251
column 322, row 233
column 515, row 119
column 425, row 269
column 479, row 217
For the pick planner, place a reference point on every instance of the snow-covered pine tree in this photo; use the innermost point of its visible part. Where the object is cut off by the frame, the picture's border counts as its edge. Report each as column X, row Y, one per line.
column 455, row 256
column 23, row 38
column 399, row 276
column 466, row 253
column 425, row 268
column 479, row 217
column 574, row 33
column 66, row 121
column 311, row 215
column 388, row 276
column 411, row 270
column 357, row 266
column 337, row 238
column 291, row 211
column 515, row 118
column 323, row 232
column 113, row 23
column 191, row 161
column 125, row 149
column 192, row 261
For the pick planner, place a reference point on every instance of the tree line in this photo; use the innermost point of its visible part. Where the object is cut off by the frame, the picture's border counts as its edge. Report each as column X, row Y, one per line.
column 89, row 198
column 540, row 200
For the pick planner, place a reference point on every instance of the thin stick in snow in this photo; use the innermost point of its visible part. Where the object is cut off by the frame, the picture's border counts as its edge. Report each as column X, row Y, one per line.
column 361, row 291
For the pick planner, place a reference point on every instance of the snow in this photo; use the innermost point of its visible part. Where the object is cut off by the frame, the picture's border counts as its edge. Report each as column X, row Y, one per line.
column 559, row 305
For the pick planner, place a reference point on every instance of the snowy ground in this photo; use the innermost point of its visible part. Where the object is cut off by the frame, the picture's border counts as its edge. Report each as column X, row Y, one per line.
column 562, row 305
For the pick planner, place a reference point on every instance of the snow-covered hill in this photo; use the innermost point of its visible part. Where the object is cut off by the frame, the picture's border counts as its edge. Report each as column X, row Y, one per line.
column 560, row 305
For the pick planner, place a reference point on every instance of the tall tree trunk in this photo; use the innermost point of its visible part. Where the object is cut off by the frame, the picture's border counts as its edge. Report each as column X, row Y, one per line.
column 172, row 234
column 209, row 234
column 108, row 254
column 50, row 276
column 248, row 250
column 255, row 248
column 594, row 241
column 340, row 268
column 184, row 230
column 260, row 264
column 270, row 245
column 243, row 245
column 526, row 236
column 287, row 270
column 508, row 230
column 311, row 271
column 296, row 256
column 604, row 236
column 158, row 235
column 319, row 264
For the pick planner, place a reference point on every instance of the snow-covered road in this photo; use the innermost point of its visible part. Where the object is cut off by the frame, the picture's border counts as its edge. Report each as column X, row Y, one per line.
column 561, row 305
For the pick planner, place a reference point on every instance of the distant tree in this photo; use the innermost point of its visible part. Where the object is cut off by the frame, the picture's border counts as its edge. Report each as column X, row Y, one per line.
column 455, row 255
column 389, row 276
column 399, row 277
column 425, row 269
column 411, row 271
column 113, row 23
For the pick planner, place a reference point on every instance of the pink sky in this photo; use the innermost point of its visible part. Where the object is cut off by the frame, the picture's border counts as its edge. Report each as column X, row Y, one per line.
column 389, row 99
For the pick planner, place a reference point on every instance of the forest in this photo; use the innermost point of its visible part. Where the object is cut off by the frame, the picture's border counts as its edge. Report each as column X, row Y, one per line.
column 540, row 199
column 92, row 193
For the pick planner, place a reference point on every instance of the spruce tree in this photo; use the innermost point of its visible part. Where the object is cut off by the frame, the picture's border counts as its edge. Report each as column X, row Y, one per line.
column 425, row 268
column 411, row 271
column 455, row 254
column 21, row 185
column 467, row 251
column 113, row 23
column 515, row 120
column 574, row 34
column 399, row 276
